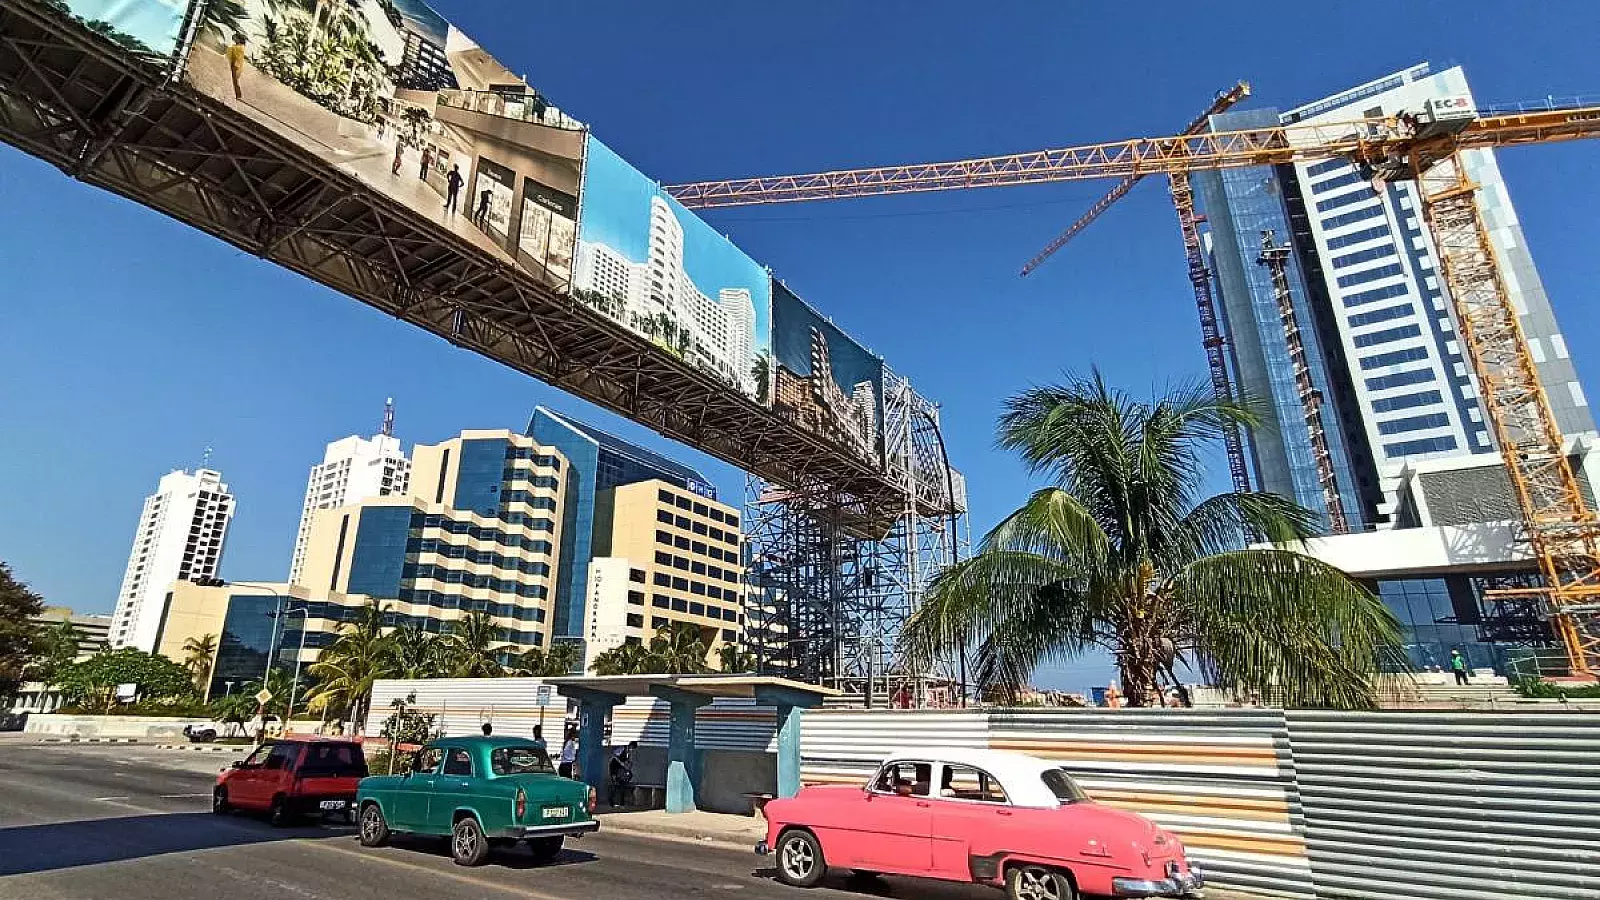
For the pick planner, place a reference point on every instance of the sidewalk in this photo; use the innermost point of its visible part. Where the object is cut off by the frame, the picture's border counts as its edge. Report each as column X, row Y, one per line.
column 742, row 833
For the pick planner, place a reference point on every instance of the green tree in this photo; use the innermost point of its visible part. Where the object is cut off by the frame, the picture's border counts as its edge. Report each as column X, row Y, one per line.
column 405, row 725
column 626, row 659
column 679, row 649
column 19, row 638
column 281, row 685
column 92, row 684
column 761, row 374
column 561, row 659
column 417, row 653
column 198, row 653
column 347, row 668
column 732, row 658
column 1122, row 553
column 233, row 710
column 56, row 649
column 472, row 647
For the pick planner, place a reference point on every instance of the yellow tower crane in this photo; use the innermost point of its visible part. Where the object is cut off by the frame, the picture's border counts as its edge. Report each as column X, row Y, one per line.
column 1424, row 147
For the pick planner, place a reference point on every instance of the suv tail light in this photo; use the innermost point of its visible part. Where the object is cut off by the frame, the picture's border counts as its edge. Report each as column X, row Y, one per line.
column 593, row 801
column 522, row 805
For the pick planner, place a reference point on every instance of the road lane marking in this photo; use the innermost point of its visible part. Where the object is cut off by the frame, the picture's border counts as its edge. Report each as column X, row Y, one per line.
column 442, row 873
column 184, row 796
column 108, row 799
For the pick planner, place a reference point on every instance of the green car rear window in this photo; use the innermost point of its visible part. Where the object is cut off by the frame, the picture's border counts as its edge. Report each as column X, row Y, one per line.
column 519, row 760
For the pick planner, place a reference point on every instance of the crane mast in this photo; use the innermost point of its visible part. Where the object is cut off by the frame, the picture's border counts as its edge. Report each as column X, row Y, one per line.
column 1563, row 531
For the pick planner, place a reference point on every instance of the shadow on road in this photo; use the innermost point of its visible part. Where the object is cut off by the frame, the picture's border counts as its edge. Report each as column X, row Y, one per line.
column 504, row 857
column 64, row 845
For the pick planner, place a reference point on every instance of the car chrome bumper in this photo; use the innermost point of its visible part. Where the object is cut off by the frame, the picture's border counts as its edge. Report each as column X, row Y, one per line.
column 567, row 829
column 1188, row 885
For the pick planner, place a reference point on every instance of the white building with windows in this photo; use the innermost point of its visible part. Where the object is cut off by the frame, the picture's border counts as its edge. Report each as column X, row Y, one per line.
column 180, row 537
column 352, row 469
column 1416, row 394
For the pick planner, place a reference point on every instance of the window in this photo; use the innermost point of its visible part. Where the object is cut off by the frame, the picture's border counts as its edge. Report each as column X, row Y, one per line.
column 660, row 601
column 680, row 562
column 682, row 503
column 662, row 579
column 698, row 568
column 967, row 783
column 908, row 779
column 1399, row 379
column 257, row 758
column 664, row 496
column 636, row 598
column 1414, row 423
column 716, row 533
column 636, row 576
column 714, row 571
column 1387, row 292
column 1356, row 215
column 1062, row 785
column 716, row 515
column 698, row 547
column 664, row 517
column 663, row 559
column 519, row 760
column 1425, row 445
column 1361, row 256
column 1356, row 237
column 680, row 584
column 699, row 528
column 658, row 622
column 427, row 759
column 1342, row 200
column 732, row 520
column 281, row 757
column 457, row 762
column 680, row 605
column 682, row 543
column 663, row 537
column 729, row 615
column 1394, row 357
column 327, row 758
column 1323, row 168
column 635, row 620
column 1407, row 401
column 700, row 509
column 682, row 522
column 1369, row 275
column 1387, row 335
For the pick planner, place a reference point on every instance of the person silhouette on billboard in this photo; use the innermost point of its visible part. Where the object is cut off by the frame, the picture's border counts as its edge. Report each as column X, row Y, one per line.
column 427, row 160
column 236, row 62
column 483, row 208
column 399, row 157
column 452, row 184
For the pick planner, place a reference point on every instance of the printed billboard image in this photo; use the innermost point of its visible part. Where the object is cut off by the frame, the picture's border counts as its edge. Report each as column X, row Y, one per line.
column 389, row 91
column 653, row 266
column 147, row 27
column 824, row 380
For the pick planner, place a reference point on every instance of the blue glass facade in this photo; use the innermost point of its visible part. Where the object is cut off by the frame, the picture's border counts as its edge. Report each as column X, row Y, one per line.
column 1441, row 614
column 1240, row 204
column 247, row 637
column 479, row 475
column 597, row 462
column 377, row 561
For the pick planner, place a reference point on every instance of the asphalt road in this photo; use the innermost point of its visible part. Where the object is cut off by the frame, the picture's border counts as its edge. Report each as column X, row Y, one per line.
column 126, row 823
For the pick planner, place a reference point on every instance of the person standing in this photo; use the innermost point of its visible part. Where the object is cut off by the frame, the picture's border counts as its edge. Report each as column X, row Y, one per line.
column 452, row 192
column 488, row 729
column 482, row 215
column 399, row 157
column 538, row 738
column 569, row 754
column 236, row 62
column 621, row 775
column 1458, row 665
column 427, row 160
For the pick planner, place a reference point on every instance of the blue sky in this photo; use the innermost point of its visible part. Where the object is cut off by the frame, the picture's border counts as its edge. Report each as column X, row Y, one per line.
column 128, row 342
column 155, row 22
column 616, row 212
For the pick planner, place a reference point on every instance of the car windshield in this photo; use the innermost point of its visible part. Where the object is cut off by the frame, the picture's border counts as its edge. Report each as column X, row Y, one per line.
column 519, row 760
column 1062, row 785
column 334, row 759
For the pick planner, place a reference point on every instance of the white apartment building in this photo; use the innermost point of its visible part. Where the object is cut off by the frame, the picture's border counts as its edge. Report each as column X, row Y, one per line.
column 721, row 332
column 352, row 469
column 1412, row 382
column 180, row 537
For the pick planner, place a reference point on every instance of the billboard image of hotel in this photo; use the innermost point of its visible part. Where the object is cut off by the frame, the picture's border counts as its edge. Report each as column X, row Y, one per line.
column 147, row 27
column 648, row 263
column 392, row 93
column 823, row 379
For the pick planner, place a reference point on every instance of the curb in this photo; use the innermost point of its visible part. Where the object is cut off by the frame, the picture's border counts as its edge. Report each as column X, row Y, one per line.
column 683, row 837
column 202, row 748
column 78, row 740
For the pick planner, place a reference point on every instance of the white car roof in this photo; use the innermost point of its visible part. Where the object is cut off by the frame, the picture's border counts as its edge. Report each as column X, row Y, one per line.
column 1018, row 773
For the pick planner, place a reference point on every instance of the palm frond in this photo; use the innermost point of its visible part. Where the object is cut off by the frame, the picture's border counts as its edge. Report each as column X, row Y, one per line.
column 970, row 599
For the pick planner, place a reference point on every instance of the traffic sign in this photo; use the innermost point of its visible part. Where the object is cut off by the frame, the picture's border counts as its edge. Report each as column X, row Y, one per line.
column 543, row 695
column 262, row 696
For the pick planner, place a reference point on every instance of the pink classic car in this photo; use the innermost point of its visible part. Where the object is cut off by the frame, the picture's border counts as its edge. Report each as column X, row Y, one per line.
column 984, row 816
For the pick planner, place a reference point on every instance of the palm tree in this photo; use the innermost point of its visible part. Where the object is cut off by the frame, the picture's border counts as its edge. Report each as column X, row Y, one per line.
column 679, row 649
column 471, row 649
column 761, row 374
column 561, row 659
column 627, row 659
column 347, row 668
column 198, row 652
column 417, row 653
column 732, row 658
column 1122, row 553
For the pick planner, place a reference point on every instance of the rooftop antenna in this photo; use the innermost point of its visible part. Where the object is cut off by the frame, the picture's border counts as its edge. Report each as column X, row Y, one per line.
column 205, row 457
column 388, row 417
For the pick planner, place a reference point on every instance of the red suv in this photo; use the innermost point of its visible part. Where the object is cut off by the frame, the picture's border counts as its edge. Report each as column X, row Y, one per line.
column 291, row 778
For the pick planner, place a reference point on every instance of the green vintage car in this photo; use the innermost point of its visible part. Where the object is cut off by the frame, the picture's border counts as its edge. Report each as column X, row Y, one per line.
column 482, row 792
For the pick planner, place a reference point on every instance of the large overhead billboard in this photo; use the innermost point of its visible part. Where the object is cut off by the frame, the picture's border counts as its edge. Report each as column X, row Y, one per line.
column 389, row 91
column 651, row 265
column 824, row 380
column 146, row 27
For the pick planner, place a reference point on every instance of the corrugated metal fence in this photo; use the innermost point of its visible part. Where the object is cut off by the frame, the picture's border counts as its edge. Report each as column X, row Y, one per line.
column 1450, row 806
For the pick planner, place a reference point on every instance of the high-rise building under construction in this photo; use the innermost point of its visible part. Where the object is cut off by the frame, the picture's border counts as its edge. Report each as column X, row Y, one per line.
column 1380, row 338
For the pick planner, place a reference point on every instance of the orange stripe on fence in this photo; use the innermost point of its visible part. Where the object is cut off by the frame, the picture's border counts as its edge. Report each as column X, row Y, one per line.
column 1192, row 754
column 1195, row 804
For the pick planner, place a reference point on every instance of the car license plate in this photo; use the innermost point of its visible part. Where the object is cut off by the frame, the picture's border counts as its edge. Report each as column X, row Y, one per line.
column 556, row 812
column 332, row 804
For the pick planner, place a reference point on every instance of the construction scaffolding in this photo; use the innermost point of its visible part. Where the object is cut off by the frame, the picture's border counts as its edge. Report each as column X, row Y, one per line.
column 833, row 579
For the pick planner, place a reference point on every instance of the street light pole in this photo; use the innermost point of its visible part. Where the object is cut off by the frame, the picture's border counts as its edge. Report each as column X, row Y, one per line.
column 294, row 683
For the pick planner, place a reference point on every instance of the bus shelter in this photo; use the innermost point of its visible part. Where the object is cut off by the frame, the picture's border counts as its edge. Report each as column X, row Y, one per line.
column 597, row 696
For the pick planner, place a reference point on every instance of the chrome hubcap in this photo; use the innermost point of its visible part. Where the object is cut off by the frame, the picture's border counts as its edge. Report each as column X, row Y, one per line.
column 1037, row 884
column 798, row 860
column 466, row 840
column 370, row 822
